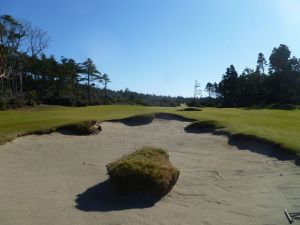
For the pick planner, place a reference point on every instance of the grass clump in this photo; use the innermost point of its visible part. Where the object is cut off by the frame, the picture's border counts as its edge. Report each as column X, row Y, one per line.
column 85, row 127
column 146, row 170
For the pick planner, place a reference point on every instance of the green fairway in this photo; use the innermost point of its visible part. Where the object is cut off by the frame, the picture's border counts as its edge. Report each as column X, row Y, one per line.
column 15, row 123
column 278, row 126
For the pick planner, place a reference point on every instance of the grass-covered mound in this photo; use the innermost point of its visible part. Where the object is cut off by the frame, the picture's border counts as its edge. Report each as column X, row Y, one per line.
column 84, row 128
column 190, row 109
column 147, row 170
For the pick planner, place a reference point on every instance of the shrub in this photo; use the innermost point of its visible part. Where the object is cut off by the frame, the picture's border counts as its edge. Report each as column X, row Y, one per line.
column 194, row 103
column 147, row 170
column 3, row 103
column 282, row 106
column 84, row 128
column 15, row 101
column 60, row 100
column 31, row 97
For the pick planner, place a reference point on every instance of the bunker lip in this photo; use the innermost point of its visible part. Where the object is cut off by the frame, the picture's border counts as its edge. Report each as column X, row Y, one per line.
column 209, row 126
column 170, row 116
column 245, row 142
column 145, row 119
column 137, row 120
column 82, row 128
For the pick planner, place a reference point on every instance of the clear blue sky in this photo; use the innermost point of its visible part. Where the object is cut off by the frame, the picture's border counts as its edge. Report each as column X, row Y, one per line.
column 163, row 46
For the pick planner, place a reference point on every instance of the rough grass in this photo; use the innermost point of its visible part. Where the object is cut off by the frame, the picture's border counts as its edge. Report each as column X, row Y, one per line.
column 84, row 128
column 146, row 170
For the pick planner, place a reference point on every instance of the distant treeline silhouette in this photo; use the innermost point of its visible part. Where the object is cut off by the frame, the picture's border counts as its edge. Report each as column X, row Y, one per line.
column 274, row 82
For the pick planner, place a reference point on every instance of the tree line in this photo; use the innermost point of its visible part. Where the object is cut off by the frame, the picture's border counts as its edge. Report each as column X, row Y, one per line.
column 28, row 76
column 276, row 81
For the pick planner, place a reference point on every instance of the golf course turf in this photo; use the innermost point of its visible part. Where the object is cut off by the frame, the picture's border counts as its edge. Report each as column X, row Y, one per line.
column 280, row 127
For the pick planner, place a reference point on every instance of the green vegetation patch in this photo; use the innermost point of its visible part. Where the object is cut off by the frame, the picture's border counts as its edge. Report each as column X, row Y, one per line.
column 189, row 109
column 146, row 170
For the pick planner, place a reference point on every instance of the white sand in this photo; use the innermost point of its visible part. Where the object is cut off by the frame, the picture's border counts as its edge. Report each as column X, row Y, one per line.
column 41, row 177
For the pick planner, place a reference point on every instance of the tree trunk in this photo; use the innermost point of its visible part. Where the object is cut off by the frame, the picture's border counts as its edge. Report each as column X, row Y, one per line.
column 21, row 82
column 89, row 89
column 105, row 92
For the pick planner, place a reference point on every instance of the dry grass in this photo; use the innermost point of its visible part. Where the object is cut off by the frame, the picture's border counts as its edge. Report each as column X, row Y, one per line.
column 146, row 170
column 84, row 128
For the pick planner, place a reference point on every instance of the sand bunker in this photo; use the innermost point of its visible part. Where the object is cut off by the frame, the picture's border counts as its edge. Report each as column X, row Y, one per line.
column 61, row 179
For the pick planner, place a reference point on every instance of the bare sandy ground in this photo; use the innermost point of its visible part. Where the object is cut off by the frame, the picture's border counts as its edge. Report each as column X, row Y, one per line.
column 60, row 179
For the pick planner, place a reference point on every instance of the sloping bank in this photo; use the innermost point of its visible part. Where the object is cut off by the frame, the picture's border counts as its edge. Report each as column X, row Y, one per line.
column 255, row 143
column 246, row 141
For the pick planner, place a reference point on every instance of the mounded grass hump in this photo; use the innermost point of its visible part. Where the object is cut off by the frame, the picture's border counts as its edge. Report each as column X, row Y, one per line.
column 189, row 109
column 146, row 170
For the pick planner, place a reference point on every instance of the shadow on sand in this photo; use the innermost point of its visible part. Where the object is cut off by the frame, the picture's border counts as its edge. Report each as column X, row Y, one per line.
column 261, row 147
column 200, row 128
column 138, row 120
column 102, row 198
column 169, row 116
column 244, row 142
column 65, row 131
column 295, row 215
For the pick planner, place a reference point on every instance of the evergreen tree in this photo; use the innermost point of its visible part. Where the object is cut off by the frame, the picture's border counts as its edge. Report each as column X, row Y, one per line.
column 228, row 88
column 91, row 72
column 261, row 63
